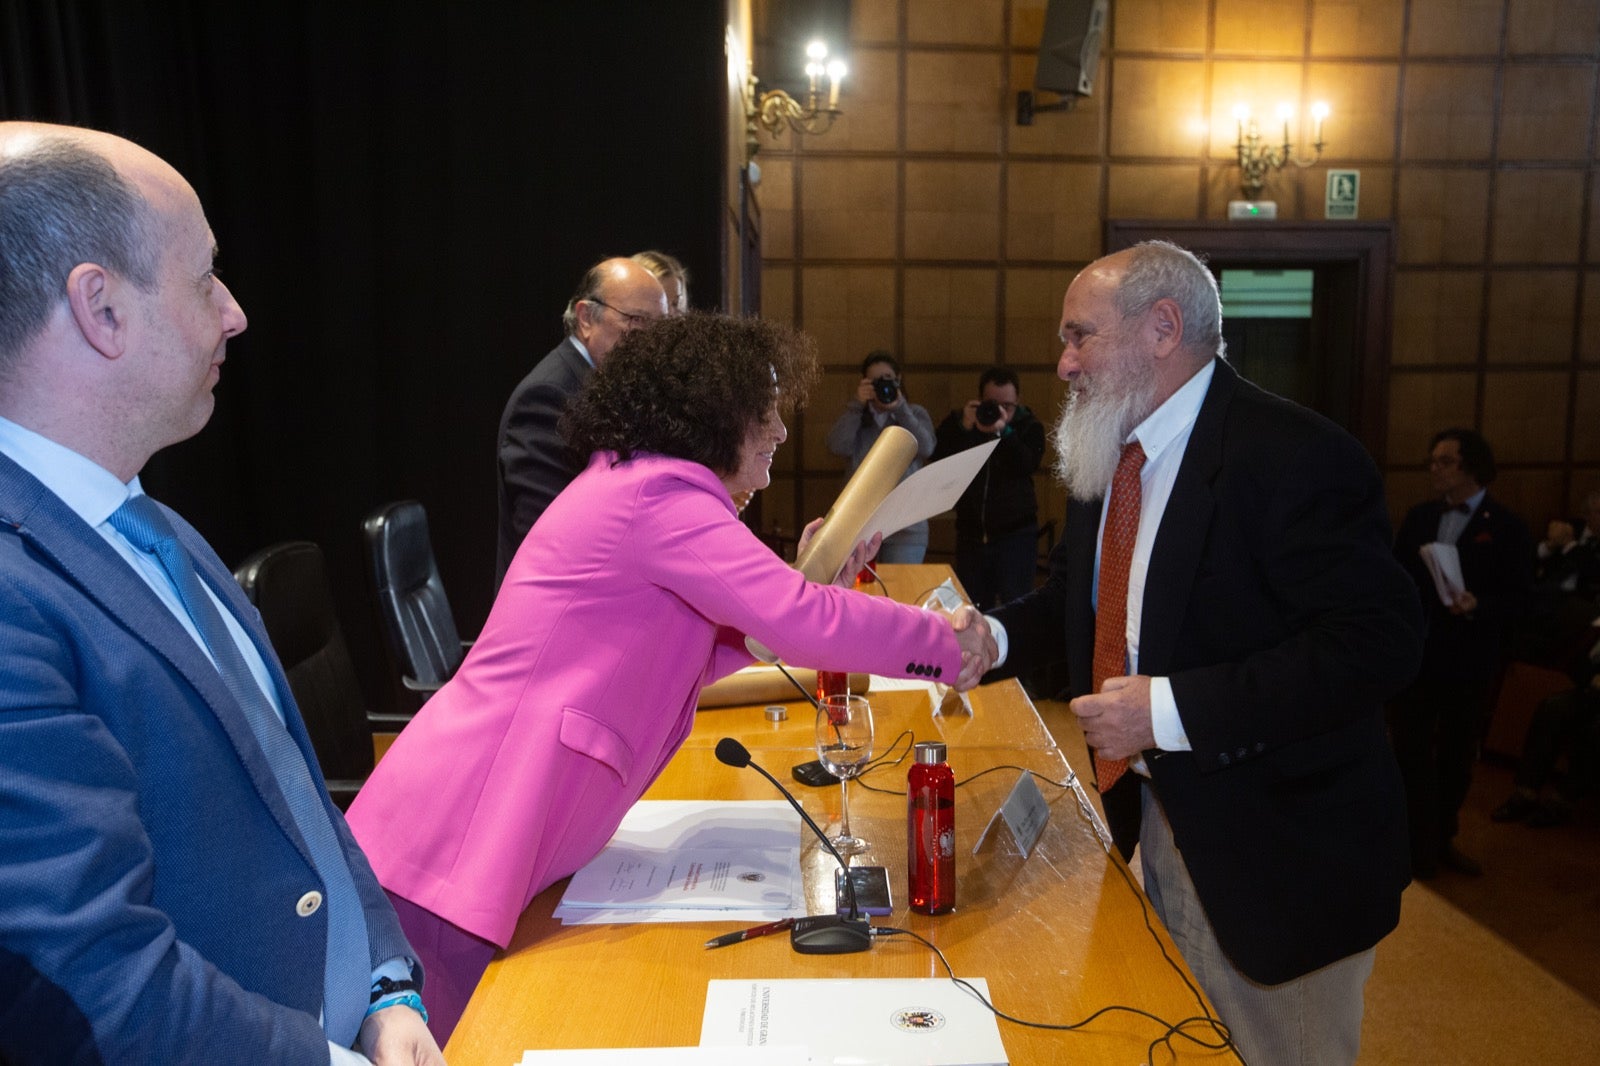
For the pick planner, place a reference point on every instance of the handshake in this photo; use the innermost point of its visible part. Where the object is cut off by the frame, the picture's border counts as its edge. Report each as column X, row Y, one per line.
column 978, row 648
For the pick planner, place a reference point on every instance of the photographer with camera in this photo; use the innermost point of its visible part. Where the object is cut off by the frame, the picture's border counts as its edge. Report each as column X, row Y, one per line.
column 997, row 517
column 880, row 400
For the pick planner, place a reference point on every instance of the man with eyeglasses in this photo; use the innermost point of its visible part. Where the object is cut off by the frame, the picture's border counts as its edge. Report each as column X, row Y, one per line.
column 997, row 518
column 534, row 463
column 1438, row 722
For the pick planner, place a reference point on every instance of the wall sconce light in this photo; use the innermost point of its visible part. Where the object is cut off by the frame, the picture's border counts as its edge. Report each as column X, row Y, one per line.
column 774, row 109
column 1257, row 160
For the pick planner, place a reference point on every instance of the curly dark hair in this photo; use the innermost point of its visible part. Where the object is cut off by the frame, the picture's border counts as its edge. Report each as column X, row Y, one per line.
column 691, row 386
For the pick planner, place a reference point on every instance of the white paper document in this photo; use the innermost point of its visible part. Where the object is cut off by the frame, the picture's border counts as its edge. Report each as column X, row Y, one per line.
column 870, row 1022
column 932, row 490
column 668, row 1056
column 693, row 860
column 1444, row 563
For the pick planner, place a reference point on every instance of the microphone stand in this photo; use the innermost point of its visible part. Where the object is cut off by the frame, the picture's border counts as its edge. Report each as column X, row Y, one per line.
column 815, row 934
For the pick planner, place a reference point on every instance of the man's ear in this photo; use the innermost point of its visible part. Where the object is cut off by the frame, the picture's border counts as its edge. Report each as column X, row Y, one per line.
column 1165, row 322
column 99, row 308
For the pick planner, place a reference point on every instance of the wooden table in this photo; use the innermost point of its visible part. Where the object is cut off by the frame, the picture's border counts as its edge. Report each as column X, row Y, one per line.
column 1058, row 936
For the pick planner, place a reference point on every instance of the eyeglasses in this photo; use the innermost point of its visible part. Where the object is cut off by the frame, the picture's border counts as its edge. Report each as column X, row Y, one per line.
column 633, row 319
column 1443, row 463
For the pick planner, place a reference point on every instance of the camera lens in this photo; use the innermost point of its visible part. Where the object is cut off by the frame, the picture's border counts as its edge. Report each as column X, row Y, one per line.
column 988, row 413
column 886, row 390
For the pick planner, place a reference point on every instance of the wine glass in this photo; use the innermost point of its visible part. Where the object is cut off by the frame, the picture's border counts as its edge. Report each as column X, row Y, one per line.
column 844, row 744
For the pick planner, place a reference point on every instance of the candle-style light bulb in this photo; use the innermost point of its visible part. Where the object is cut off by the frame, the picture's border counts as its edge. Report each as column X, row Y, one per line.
column 1285, row 112
column 1319, row 111
column 1240, row 113
column 836, row 73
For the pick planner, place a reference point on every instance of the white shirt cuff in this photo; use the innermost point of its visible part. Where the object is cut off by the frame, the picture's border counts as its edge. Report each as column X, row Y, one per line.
column 343, row 1056
column 1164, row 720
column 1001, row 641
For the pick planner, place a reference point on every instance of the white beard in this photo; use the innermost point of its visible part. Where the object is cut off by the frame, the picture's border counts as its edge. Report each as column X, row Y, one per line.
column 1095, row 420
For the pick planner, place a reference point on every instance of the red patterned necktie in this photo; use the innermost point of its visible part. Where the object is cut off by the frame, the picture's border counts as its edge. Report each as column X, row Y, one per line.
column 1111, row 616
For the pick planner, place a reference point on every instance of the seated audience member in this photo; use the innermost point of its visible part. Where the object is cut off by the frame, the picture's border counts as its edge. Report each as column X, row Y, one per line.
column 175, row 884
column 997, row 517
column 1569, row 561
column 673, row 276
column 879, row 401
column 1567, row 723
column 636, row 588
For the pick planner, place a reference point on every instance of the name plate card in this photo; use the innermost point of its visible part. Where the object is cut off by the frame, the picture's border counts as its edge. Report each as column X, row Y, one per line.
column 1024, row 812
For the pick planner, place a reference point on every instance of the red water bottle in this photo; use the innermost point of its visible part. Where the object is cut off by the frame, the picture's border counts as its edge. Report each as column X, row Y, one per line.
column 832, row 683
column 931, row 830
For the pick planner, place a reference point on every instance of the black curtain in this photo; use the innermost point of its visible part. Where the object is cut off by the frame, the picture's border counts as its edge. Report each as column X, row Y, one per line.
column 404, row 195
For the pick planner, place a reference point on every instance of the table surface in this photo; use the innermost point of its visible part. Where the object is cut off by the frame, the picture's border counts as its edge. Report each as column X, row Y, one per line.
column 1059, row 935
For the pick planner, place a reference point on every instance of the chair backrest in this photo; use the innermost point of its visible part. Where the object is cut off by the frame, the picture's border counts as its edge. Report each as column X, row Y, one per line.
column 288, row 583
column 417, row 624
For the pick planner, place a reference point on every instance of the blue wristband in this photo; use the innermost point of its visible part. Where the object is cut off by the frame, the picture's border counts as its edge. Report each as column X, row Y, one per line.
column 400, row 999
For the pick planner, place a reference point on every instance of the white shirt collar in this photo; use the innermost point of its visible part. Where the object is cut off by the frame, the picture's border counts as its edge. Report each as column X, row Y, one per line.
column 92, row 491
column 1170, row 421
column 576, row 343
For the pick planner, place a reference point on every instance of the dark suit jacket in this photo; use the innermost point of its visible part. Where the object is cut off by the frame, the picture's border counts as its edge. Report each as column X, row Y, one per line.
column 1276, row 609
column 533, row 461
column 149, row 865
column 1497, row 564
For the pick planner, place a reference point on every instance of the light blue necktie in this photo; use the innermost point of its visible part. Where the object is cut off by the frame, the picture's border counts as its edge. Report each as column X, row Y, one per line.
column 347, row 976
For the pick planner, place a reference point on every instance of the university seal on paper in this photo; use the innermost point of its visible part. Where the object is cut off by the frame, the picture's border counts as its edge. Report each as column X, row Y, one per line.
column 917, row 1020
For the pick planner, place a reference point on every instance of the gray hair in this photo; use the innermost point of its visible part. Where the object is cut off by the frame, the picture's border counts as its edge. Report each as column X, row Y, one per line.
column 62, row 204
column 663, row 266
column 1160, row 270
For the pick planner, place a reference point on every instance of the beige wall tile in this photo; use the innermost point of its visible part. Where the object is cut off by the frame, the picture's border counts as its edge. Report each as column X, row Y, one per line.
column 777, row 294
column 775, row 194
column 1592, row 246
column 1362, row 99
column 1532, row 495
column 1436, row 316
column 1517, row 415
column 1544, row 111
column 1260, row 27
column 949, row 315
column 848, row 208
column 1033, row 314
column 1531, row 315
column 1443, row 215
column 1448, row 111
column 849, row 311
column 1260, row 89
column 1075, row 131
column 875, row 21
column 1153, row 191
column 1586, row 431
column 1537, row 216
column 952, row 210
column 1589, row 335
column 1157, row 107
column 953, row 101
column 1422, row 404
column 1550, row 27
column 1455, row 28
column 1356, row 27
column 1159, row 25
column 955, row 21
column 1052, row 211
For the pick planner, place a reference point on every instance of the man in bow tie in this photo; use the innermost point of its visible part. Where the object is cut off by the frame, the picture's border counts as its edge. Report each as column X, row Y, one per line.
column 175, row 884
column 1438, row 722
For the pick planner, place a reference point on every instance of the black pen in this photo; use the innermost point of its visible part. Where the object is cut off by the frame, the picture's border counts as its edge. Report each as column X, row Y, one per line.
column 749, row 934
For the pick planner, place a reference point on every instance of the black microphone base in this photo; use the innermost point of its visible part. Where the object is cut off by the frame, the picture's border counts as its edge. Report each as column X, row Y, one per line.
column 829, row 934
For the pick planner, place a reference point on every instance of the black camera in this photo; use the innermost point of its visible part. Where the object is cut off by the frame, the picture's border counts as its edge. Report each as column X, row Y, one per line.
column 988, row 413
column 886, row 389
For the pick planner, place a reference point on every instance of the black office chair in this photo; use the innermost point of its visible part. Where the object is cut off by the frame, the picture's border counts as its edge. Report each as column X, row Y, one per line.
column 288, row 583
column 418, row 626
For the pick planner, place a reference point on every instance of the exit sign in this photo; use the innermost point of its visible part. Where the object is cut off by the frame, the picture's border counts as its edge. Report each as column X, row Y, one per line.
column 1344, row 193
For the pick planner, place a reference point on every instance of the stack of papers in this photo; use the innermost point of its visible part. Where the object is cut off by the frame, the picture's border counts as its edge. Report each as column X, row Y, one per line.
column 927, row 1021
column 690, row 861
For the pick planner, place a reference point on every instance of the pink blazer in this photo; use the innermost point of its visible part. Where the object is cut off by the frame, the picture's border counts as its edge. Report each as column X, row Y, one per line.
column 635, row 589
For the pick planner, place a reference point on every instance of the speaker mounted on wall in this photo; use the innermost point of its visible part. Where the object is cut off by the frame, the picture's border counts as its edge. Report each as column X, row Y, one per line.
column 1069, row 55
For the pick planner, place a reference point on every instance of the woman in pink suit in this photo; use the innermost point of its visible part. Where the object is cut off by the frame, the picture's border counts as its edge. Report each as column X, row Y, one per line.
column 635, row 589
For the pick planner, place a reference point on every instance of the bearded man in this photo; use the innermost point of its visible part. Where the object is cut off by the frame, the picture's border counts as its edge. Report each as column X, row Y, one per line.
column 1232, row 619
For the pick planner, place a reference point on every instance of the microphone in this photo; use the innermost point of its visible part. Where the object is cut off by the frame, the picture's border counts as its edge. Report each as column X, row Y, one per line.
column 815, row 934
